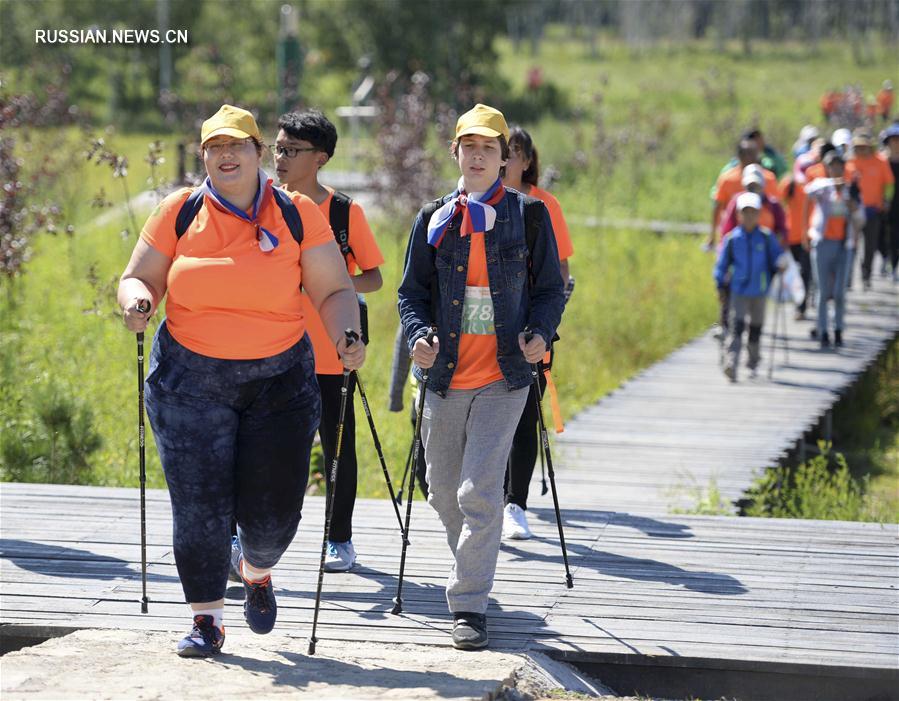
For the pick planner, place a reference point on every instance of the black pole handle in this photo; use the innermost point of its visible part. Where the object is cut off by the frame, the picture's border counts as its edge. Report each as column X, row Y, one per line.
column 143, row 305
column 350, row 336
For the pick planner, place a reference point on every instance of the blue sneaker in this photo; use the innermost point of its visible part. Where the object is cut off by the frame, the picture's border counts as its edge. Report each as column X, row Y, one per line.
column 260, row 608
column 234, row 573
column 204, row 640
column 340, row 557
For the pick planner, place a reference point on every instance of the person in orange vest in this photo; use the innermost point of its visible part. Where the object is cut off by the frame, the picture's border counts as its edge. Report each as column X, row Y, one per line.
column 875, row 179
column 829, row 101
column 885, row 99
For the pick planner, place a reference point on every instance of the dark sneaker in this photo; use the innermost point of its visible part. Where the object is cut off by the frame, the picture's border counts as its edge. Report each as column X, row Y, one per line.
column 204, row 640
column 838, row 338
column 469, row 631
column 260, row 608
column 825, row 340
column 813, row 333
column 234, row 573
column 730, row 371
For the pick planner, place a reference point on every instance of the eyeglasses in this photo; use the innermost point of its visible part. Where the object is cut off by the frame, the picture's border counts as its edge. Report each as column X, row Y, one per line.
column 235, row 145
column 290, row 151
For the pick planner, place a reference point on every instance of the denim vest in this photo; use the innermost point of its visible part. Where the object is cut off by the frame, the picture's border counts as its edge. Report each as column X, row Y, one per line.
column 433, row 289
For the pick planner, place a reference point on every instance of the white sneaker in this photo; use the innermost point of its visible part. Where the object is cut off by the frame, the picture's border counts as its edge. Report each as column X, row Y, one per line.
column 515, row 523
column 340, row 557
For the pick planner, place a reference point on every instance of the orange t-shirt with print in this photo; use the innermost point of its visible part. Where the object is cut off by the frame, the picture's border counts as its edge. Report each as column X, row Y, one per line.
column 225, row 297
column 477, row 365
column 365, row 256
column 873, row 174
column 560, row 226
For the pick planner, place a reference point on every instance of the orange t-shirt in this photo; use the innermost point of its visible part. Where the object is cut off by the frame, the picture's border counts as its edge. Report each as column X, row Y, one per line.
column 794, row 206
column 560, row 226
column 477, row 365
column 730, row 183
column 366, row 255
column 874, row 174
column 225, row 297
column 885, row 102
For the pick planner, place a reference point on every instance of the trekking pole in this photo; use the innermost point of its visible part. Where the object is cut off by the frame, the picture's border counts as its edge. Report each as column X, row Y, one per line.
column 399, row 494
column 544, row 443
column 351, row 337
column 783, row 325
column 416, row 444
column 774, row 330
column 543, row 488
column 377, row 442
column 143, row 306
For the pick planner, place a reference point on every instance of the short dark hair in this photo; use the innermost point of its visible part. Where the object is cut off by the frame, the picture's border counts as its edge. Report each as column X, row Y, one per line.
column 520, row 138
column 311, row 126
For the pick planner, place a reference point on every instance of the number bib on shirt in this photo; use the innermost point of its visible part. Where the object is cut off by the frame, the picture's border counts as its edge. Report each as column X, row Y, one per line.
column 478, row 312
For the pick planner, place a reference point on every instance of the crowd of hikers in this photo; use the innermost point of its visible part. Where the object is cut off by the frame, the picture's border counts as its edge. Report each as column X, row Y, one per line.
column 776, row 226
column 265, row 328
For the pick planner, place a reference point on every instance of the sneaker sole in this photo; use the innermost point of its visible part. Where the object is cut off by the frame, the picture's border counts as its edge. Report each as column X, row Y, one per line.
column 471, row 646
column 338, row 568
column 196, row 652
column 520, row 536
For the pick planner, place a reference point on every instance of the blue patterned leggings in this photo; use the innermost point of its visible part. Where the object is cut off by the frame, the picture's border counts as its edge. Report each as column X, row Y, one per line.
column 234, row 438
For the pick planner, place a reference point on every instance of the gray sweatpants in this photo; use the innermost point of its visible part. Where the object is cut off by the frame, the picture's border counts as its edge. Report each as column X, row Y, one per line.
column 742, row 306
column 467, row 437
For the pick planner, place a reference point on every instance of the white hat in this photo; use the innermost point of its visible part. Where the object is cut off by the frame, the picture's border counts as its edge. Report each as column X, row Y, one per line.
column 808, row 132
column 749, row 200
column 841, row 137
column 753, row 173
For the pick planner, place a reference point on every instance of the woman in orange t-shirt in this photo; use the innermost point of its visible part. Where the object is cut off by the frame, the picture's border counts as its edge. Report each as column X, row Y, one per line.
column 522, row 174
column 231, row 393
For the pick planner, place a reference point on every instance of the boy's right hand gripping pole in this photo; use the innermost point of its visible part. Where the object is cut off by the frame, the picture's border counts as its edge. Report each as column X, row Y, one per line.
column 544, row 446
column 416, row 445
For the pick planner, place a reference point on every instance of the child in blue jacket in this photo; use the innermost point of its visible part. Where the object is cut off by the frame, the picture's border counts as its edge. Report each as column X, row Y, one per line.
column 753, row 256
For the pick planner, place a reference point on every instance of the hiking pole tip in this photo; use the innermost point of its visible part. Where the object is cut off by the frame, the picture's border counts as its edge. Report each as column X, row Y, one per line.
column 397, row 606
column 311, row 649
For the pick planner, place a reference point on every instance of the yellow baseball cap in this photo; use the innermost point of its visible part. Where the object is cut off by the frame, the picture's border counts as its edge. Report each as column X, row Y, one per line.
column 230, row 121
column 483, row 120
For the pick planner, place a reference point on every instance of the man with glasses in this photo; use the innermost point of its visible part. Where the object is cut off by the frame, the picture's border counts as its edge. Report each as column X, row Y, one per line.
column 305, row 143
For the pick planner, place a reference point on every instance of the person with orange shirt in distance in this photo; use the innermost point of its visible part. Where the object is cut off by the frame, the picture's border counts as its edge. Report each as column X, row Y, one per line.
column 467, row 275
column 231, row 394
column 875, row 179
column 304, row 145
column 522, row 173
column 792, row 195
column 730, row 183
column 837, row 218
column 885, row 98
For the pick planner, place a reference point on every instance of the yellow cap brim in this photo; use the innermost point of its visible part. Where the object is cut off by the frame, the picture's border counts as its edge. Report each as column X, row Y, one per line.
column 480, row 131
column 227, row 131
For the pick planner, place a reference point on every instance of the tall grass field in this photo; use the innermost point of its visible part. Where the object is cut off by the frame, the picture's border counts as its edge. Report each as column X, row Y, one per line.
column 643, row 136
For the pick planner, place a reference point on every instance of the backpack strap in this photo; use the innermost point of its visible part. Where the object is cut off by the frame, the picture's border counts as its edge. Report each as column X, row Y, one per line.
column 188, row 212
column 339, row 218
column 194, row 202
column 290, row 213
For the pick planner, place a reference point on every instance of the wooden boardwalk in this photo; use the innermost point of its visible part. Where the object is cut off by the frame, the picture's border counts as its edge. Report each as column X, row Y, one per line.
column 732, row 599
column 680, row 425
